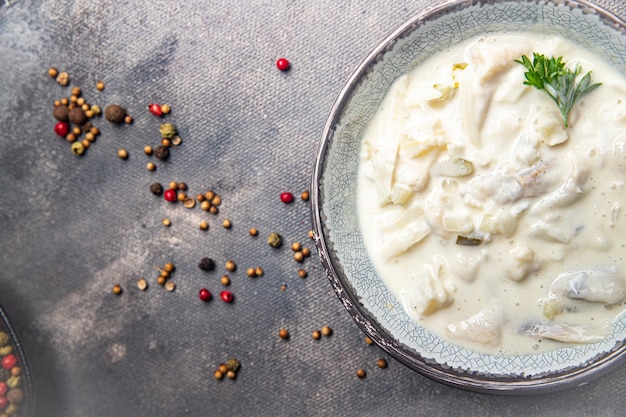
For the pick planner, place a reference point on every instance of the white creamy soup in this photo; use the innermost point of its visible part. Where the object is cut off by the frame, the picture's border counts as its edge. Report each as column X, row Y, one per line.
column 496, row 227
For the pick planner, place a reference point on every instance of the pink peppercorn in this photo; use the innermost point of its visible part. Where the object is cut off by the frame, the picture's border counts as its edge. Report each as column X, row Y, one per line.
column 62, row 129
column 3, row 388
column 286, row 197
column 155, row 109
column 204, row 294
column 226, row 296
column 282, row 64
column 9, row 361
column 170, row 195
column 3, row 403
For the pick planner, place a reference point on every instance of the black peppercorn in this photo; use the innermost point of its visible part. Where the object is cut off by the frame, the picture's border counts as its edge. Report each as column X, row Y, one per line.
column 77, row 116
column 4, row 374
column 115, row 113
column 156, row 188
column 61, row 113
column 206, row 264
column 161, row 153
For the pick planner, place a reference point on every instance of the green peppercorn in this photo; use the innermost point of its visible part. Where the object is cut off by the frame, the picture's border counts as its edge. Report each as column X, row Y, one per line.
column 168, row 130
column 4, row 338
column 274, row 240
column 78, row 148
column 13, row 381
column 5, row 350
column 232, row 365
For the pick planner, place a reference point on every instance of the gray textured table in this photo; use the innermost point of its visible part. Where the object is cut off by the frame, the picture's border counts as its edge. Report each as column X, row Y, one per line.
column 72, row 227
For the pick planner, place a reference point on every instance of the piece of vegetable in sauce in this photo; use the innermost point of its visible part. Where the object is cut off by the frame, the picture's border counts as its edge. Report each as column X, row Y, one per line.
column 568, row 333
column 467, row 240
column 596, row 285
column 484, row 327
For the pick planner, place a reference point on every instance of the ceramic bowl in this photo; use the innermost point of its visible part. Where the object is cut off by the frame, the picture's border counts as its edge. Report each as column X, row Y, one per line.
column 334, row 189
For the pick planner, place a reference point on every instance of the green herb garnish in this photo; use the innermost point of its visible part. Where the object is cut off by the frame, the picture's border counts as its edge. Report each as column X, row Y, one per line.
column 558, row 81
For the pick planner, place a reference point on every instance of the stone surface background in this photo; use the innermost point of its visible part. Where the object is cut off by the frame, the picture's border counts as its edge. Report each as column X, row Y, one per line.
column 72, row 227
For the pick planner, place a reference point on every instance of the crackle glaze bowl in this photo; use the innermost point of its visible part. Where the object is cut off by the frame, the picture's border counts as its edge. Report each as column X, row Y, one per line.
column 334, row 189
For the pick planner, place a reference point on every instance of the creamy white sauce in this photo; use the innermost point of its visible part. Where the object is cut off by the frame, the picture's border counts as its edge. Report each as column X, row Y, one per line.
column 461, row 146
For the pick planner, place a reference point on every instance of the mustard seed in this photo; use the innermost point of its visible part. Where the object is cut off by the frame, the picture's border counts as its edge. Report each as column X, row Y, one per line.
column 231, row 374
column 296, row 247
column 80, row 101
column 227, row 224
column 77, row 131
column 95, row 131
column 200, row 198
column 169, row 267
column 70, row 137
column 311, row 234
column 147, row 150
column 209, row 195
column 253, row 232
column 100, row 86
column 165, row 274
column 122, row 153
column 204, row 226
column 181, row 197
column 360, row 373
column 170, row 286
column 326, row 331
column 382, row 364
column 205, row 205
column 117, row 289
column 216, row 201
column 165, row 108
column 213, row 210
column 86, row 144
column 304, row 196
column 298, row 256
column 167, row 222
column 283, row 287
column 230, row 266
column 283, row 334
column 90, row 137
column 150, row 166
column 218, row 375
column 172, row 185
column 302, row 273
column 306, row 252
column 251, row 272
column 76, row 91
column 142, row 284
column 53, row 72
column 316, row 334
column 222, row 368
column 258, row 271
column 128, row 119
column 369, row 341
column 161, row 280
column 225, row 281
column 65, row 101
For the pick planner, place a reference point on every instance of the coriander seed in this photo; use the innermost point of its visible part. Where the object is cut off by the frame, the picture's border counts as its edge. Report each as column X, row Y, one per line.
column 251, row 272
column 302, row 273
column 161, row 280
column 205, row 205
column 360, row 373
column 122, row 153
column 216, row 201
column 258, row 271
column 176, row 140
column 117, row 289
column 382, row 363
column 213, row 210
column 189, row 202
column 150, row 166
column 298, row 257
column 326, row 331
column 209, row 195
column 53, row 72
column 283, row 334
column 316, row 335
column 167, row 222
column 218, row 375
column 165, row 108
column 170, row 286
column 304, row 196
column 200, row 198
column 306, row 252
column 369, row 341
column 296, row 247
column 227, row 224
column 230, row 266
column 253, row 232
column 147, row 150
column 142, row 284
column 100, row 86
column 231, row 374
column 225, row 281
column 204, row 226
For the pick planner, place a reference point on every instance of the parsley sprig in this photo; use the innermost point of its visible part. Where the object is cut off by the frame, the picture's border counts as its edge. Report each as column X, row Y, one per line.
column 558, row 81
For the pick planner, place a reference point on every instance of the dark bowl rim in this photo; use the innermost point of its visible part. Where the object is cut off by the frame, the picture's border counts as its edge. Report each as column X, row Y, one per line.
column 518, row 385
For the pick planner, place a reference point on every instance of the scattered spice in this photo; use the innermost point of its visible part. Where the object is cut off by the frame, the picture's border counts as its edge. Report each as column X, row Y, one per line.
column 311, row 234
column 78, row 148
column 382, row 364
column 231, row 374
column 62, row 129
column 251, row 272
column 167, row 222
column 316, row 334
column 204, row 294
column 53, row 72
column 204, row 225
column 218, row 375
column 253, row 232
column 170, row 286
column 230, row 266
column 286, row 197
column 150, row 166
column 369, row 341
column 181, row 197
column 147, row 150
column 156, row 188
column 161, row 153
column 115, row 114
column 227, row 224
column 168, row 130
column 225, row 280
column 360, row 373
column 77, row 116
column 274, row 240
column 169, row 267
column 161, row 280
column 176, row 140
column 165, row 108
column 298, row 257
column 61, row 113
column 170, row 195
column 206, row 264
column 189, row 202
column 283, row 334
column 306, row 252
column 304, row 196
column 117, row 289
column 166, row 142
column 128, row 119
column 100, row 86
column 226, row 296
column 122, row 154
column 63, row 78
column 302, row 273
column 326, row 331
column 258, row 271
column 155, row 109
column 296, row 247
column 282, row 64
column 142, row 284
